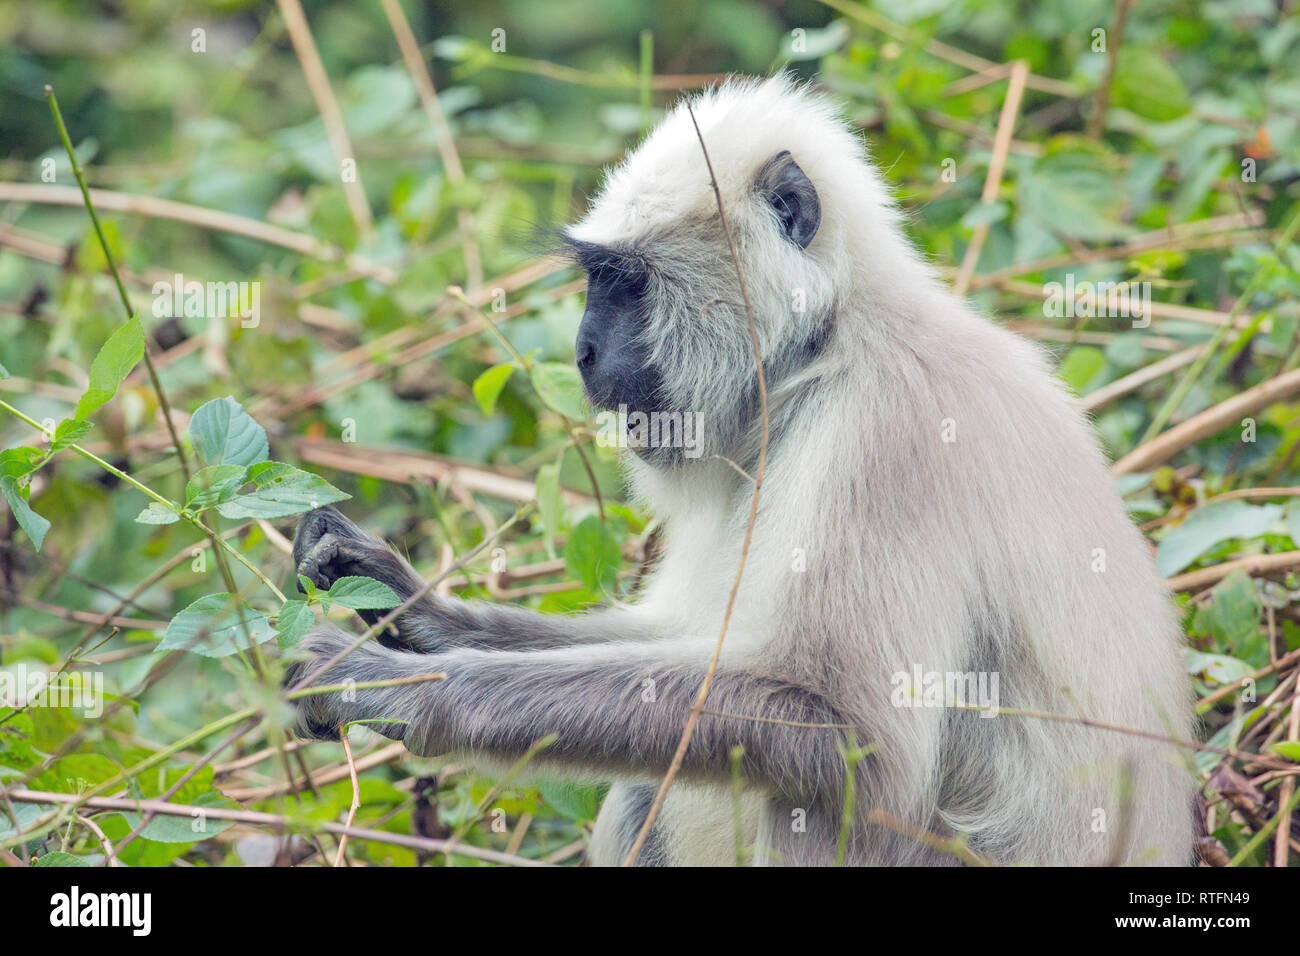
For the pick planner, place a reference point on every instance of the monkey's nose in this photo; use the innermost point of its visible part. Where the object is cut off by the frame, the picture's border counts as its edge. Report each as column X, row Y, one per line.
column 586, row 355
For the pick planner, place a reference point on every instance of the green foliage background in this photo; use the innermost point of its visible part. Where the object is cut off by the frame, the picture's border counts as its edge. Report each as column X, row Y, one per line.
column 1187, row 185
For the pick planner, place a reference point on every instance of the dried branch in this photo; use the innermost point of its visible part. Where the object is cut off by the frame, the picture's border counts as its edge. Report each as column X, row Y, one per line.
column 993, row 181
column 318, row 82
column 703, row 695
column 275, row 822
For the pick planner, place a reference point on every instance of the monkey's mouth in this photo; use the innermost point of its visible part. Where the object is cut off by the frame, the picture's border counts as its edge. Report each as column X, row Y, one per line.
column 611, row 394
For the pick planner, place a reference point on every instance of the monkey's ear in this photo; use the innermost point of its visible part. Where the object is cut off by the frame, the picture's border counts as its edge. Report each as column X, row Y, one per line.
column 792, row 195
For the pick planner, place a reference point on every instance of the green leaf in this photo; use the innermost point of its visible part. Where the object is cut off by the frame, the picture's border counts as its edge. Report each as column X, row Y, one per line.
column 985, row 214
column 1232, row 617
column 166, row 828
column 216, row 618
column 1209, row 525
column 1074, row 189
column 592, row 555
column 199, row 791
column 16, row 750
column 280, row 490
column 120, row 354
column 578, row 802
column 550, row 503
column 560, row 387
column 20, row 461
column 28, row 520
column 363, row 594
column 1218, row 668
column 76, row 773
column 224, row 434
column 59, row 858
column 27, row 814
column 487, row 387
column 1283, row 330
column 815, row 42
column 1293, row 521
column 157, row 513
column 213, row 485
column 293, row 622
column 69, row 432
column 1290, row 749
column 1147, row 85
column 1081, row 366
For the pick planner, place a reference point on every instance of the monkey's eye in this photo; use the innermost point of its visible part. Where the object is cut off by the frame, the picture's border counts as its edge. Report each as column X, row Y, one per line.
column 606, row 266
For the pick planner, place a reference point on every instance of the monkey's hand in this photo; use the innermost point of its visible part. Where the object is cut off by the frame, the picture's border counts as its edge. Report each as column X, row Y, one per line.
column 328, row 547
column 385, row 710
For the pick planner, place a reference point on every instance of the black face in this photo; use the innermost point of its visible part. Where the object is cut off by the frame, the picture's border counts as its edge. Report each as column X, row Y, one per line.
column 611, row 353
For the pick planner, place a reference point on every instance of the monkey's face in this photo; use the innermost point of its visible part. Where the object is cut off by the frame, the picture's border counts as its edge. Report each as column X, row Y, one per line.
column 612, row 349
column 666, row 330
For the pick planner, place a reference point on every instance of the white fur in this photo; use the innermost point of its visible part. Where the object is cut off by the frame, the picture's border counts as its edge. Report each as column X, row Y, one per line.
column 912, row 544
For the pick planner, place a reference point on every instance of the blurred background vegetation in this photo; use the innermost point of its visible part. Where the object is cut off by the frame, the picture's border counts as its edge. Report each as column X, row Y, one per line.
column 1166, row 150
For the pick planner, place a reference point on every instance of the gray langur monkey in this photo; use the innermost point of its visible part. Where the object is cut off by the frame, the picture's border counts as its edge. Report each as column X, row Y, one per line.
column 935, row 504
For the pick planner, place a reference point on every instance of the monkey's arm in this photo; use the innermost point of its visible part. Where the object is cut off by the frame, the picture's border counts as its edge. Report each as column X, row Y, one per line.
column 617, row 707
column 328, row 546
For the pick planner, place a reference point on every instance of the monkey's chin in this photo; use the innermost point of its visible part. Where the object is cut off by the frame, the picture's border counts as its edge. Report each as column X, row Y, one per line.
column 664, row 458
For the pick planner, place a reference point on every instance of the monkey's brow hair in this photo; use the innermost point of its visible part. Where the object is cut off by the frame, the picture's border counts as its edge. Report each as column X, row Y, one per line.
column 594, row 258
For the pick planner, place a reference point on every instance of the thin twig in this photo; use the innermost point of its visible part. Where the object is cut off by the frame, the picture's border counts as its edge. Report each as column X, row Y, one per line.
column 272, row 821
column 1171, row 404
column 1281, row 663
column 419, row 71
column 1185, row 240
column 993, row 181
column 1264, row 832
column 1192, row 745
column 383, row 622
column 163, row 404
column 703, row 694
column 394, row 751
column 1282, row 844
column 970, row 61
column 1096, row 122
column 318, row 82
column 356, row 791
column 186, row 777
column 1204, row 424
column 155, row 208
column 1131, row 382
column 953, row 848
column 110, row 855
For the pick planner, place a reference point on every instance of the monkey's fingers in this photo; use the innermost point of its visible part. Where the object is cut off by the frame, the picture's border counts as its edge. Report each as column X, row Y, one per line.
column 319, row 523
column 317, row 564
column 334, row 557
